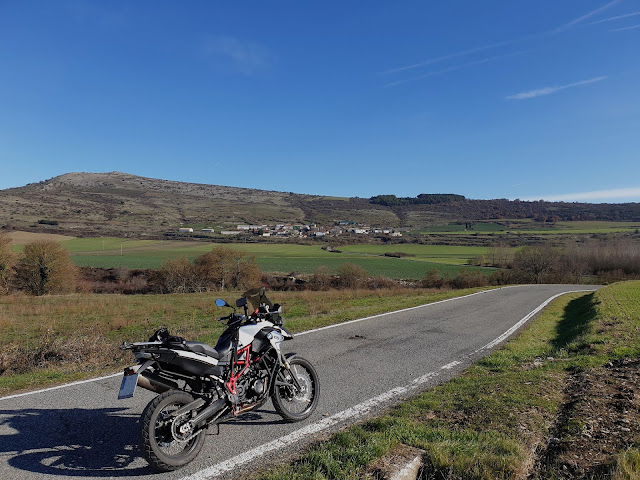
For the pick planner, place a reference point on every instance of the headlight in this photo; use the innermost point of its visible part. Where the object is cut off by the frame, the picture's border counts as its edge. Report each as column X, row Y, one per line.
column 275, row 336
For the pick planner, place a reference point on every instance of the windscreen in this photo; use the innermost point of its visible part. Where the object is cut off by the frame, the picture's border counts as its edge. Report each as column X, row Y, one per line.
column 258, row 297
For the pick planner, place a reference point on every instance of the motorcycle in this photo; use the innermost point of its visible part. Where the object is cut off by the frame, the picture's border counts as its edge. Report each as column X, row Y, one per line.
column 200, row 386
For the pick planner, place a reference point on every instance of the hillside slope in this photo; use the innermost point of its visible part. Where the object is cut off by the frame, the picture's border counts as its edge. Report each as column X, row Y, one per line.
column 117, row 203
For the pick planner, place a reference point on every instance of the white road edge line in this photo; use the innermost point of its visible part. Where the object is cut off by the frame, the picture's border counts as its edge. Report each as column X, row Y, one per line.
column 296, row 436
column 357, row 410
column 80, row 382
column 64, row 385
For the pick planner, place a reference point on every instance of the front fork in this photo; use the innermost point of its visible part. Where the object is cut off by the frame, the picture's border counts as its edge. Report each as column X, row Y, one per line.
column 284, row 362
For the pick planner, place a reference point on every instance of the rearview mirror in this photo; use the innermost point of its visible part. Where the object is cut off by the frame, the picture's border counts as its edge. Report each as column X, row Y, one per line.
column 221, row 303
column 241, row 302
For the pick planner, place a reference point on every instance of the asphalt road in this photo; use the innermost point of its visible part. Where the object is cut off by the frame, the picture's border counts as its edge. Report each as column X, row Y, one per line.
column 83, row 431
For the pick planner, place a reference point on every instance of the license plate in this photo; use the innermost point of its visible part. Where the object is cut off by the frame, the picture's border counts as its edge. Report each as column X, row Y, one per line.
column 128, row 386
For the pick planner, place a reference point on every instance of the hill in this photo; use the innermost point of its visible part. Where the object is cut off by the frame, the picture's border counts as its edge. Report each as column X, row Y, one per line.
column 117, row 203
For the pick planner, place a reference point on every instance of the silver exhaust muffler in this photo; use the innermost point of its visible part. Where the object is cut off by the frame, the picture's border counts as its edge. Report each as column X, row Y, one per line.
column 155, row 383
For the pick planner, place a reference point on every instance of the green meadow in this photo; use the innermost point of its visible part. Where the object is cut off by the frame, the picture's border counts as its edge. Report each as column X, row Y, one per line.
column 276, row 258
column 445, row 254
column 530, row 226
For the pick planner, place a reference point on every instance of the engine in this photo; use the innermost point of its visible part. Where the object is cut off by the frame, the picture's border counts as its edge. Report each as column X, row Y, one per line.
column 252, row 386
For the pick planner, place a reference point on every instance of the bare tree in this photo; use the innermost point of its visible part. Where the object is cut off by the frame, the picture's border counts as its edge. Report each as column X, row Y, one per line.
column 224, row 268
column 500, row 255
column 177, row 276
column 535, row 263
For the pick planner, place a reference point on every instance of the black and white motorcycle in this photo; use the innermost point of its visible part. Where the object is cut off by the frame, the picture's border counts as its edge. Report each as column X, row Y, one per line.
column 200, row 386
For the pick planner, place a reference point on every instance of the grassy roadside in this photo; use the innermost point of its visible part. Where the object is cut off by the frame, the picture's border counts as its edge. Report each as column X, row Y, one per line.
column 558, row 401
column 50, row 340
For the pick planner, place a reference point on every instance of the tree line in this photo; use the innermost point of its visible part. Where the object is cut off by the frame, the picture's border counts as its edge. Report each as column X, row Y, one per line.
column 422, row 199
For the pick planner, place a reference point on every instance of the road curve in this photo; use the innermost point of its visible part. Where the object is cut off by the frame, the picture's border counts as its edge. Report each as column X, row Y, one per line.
column 83, row 431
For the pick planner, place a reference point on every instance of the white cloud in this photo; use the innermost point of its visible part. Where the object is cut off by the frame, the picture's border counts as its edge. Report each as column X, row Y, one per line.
column 631, row 194
column 539, row 92
column 239, row 55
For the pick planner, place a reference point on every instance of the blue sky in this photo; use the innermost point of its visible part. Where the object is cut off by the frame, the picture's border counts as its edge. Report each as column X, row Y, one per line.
column 488, row 99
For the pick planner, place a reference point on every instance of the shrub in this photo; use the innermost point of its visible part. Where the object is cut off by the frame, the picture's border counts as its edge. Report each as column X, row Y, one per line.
column 177, row 276
column 7, row 263
column 321, row 279
column 46, row 267
column 433, row 279
column 469, row 279
column 352, row 276
column 381, row 282
column 477, row 261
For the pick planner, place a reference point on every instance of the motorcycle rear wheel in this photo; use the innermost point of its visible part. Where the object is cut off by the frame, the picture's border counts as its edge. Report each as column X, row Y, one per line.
column 296, row 406
column 157, row 441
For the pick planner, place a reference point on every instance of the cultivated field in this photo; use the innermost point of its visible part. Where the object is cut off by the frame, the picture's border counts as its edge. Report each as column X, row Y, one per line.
column 531, row 227
column 272, row 258
column 447, row 254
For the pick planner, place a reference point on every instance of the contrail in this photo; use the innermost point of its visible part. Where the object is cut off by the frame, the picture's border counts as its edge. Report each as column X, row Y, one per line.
column 618, row 17
column 451, row 69
column 588, row 15
column 539, row 92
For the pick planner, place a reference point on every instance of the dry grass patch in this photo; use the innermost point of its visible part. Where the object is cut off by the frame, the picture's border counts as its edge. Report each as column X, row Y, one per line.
column 22, row 238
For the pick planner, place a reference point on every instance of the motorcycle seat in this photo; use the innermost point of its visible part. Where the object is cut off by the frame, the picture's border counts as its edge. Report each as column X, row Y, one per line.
column 199, row 347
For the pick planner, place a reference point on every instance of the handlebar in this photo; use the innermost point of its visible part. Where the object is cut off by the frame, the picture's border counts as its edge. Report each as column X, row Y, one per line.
column 239, row 319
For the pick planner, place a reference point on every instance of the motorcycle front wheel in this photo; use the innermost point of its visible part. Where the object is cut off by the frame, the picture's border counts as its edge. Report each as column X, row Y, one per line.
column 292, row 404
column 161, row 440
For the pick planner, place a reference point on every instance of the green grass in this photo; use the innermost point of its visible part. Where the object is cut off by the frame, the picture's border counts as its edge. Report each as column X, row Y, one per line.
column 480, row 227
column 532, row 227
column 447, row 254
column 487, row 423
column 87, row 329
column 272, row 258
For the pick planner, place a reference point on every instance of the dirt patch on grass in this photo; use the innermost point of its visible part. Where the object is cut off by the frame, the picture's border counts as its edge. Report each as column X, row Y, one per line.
column 21, row 238
column 599, row 419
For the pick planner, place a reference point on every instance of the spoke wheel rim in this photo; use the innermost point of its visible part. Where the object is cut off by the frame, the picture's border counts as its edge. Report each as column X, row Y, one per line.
column 301, row 401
